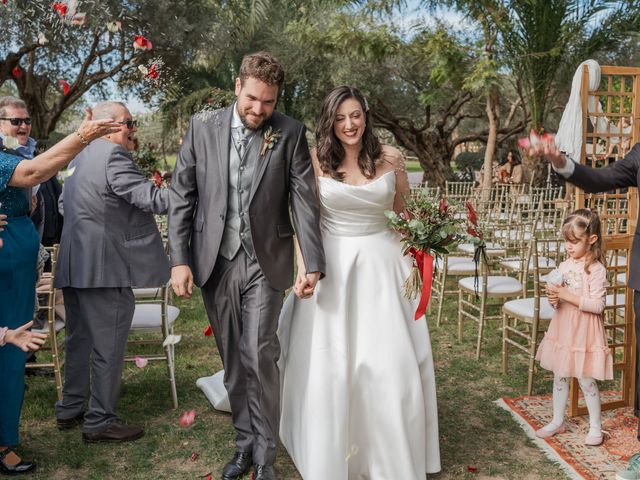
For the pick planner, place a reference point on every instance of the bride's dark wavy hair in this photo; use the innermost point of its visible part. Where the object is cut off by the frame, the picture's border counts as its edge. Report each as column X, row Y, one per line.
column 329, row 149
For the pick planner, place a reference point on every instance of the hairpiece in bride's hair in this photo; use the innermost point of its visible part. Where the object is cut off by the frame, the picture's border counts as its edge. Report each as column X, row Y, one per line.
column 366, row 104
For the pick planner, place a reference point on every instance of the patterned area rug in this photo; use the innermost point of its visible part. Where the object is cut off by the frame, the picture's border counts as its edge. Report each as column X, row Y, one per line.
column 568, row 449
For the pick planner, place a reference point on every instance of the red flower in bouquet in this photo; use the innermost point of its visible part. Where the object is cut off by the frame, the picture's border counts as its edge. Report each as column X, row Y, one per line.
column 427, row 228
column 474, row 233
column 472, row 216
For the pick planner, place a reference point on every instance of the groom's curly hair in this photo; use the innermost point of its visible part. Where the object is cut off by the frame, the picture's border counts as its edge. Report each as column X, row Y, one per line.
column 264, row 67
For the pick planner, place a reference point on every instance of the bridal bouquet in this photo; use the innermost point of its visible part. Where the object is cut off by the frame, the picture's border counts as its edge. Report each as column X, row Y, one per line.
column 427, row 228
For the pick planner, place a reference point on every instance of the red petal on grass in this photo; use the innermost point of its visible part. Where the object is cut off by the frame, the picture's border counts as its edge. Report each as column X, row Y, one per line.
column 208, row 331
column 194, row 456
column 16, row 72
column 472, row 469
column 64, row 85
column 187, row 418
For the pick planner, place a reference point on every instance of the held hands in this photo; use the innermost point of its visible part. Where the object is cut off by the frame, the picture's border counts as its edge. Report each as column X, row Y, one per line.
column 91, row 129
column 25, row 340
column 182, row 281
column 305, row 284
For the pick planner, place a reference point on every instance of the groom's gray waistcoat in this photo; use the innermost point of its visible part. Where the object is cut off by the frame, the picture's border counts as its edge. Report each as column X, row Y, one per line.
column 237, row 230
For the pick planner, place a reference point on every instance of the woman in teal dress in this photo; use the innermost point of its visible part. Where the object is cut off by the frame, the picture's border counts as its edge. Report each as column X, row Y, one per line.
column 18, row 257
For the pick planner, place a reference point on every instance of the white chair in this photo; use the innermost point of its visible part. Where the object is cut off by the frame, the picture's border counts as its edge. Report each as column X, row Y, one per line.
column 524, row 319
column 155, row 315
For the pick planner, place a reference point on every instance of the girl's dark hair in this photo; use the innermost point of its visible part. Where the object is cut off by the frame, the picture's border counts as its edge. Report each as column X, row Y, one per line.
column 329, row 149
column 580, row 225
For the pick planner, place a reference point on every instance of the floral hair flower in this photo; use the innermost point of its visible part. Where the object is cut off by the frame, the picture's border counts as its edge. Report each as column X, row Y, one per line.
column 16, row 72
column 141, row 43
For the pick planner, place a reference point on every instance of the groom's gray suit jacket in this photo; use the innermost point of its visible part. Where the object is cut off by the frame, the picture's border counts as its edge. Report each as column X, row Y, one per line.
column 110, row 237
column 282, row 177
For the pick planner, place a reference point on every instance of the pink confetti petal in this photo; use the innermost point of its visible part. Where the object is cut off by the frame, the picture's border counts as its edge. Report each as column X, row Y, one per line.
column 141, row 362
column 187, row 418
column 141, row 43
column 208, row 331
column 524, row 143
column 60, row 7
column 79, row 19
column 195, row 456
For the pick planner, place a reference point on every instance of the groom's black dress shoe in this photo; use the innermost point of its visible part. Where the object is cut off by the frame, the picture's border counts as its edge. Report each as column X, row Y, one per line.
column 22, row 467
column 237, row 467
column 264, row 472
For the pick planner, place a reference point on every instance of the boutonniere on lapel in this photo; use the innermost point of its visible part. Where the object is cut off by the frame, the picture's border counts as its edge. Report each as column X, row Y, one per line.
column 270, row 139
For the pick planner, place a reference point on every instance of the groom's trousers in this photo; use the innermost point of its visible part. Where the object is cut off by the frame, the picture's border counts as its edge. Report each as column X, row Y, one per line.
column 243, row 310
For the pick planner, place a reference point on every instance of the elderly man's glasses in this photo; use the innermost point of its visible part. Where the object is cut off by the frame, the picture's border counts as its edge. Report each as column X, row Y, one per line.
column 16, row 122
column 129, row 123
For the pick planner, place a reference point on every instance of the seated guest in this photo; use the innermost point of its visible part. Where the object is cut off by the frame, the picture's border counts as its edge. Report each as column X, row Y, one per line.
column 110, row 243
column 510, row 170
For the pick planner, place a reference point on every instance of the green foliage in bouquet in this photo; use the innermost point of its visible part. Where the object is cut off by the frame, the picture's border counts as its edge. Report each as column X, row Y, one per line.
column 428, row 226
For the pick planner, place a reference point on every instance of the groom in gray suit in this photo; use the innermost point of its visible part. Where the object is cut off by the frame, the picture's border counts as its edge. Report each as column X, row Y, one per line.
column 240, row 171
column 109, row 244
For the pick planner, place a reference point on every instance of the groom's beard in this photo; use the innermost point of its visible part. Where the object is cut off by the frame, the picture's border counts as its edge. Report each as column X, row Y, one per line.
column 251, row 125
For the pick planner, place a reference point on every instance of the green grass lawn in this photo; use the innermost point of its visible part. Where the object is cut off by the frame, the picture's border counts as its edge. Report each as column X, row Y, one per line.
column 473, row 431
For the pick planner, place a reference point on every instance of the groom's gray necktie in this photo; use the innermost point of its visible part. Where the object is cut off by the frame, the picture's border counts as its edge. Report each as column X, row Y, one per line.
column 242, row 139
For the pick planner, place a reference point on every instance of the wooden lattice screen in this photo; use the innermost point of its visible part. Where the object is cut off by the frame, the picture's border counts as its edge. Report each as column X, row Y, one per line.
column 611, row 125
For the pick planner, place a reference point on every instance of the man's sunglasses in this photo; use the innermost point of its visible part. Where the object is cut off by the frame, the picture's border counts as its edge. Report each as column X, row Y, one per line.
column 16, row 122
column 129, row 123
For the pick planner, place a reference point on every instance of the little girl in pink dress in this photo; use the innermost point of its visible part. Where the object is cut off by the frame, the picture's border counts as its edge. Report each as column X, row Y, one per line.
column 575, row 344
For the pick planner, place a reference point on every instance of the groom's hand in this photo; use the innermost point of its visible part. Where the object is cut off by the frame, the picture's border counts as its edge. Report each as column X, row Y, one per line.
column 547, row 149
column 182, row 281
column 306, row 284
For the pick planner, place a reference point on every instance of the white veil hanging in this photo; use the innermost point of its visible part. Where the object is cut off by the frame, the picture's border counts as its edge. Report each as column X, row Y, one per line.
column 569, row 136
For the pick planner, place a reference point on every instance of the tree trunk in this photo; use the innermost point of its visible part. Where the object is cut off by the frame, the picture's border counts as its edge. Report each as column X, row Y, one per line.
column 493, row 115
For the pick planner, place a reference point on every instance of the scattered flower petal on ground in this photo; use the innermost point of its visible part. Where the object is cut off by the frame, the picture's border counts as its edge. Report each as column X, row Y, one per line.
column 187, row 418
column 141, row 362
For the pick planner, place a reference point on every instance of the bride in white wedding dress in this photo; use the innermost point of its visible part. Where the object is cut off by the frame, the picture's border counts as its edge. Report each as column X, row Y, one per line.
column 358, row 385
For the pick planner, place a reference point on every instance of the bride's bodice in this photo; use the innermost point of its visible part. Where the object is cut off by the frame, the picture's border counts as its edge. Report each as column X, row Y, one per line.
column 354, row 210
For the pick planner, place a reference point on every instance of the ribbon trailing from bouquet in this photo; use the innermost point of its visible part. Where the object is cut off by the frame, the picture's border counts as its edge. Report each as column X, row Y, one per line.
column 424, row 263
column 479, row 252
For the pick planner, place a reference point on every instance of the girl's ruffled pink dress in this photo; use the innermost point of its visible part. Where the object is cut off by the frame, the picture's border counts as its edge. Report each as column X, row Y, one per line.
column 575, row 344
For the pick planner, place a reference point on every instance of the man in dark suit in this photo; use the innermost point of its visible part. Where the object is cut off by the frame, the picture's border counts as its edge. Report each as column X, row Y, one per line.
column 620, row 174
column 241, row 171
column 110, row 243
